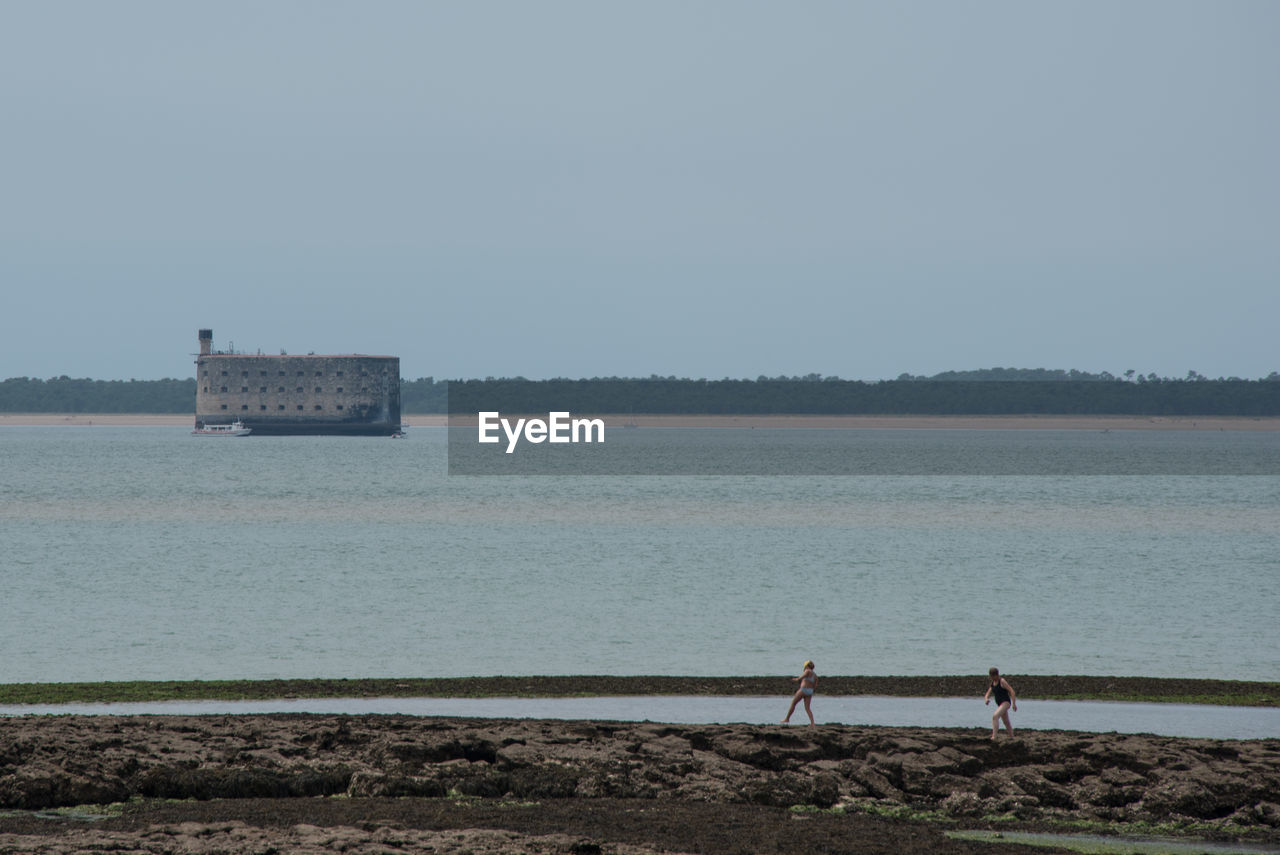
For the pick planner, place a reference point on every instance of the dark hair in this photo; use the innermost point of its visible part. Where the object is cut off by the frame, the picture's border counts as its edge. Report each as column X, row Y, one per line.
column 994, row 672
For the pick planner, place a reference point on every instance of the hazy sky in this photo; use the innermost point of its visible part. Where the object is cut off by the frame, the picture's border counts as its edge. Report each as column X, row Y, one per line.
column 704, row 189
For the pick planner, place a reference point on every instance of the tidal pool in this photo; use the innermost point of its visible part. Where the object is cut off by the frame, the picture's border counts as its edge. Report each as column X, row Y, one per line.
column 1097, row 844
column 1200, row 721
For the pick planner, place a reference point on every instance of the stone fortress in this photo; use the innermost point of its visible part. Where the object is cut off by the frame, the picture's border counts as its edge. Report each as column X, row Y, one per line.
column 341, row 395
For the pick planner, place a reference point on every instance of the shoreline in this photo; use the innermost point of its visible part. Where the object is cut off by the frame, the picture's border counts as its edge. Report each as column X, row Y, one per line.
column 1043, row 687
column 810, row 422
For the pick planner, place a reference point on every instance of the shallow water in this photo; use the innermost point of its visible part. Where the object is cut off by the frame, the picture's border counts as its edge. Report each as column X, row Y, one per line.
column 1098, row 844
column 149, row 554
column 1213, row 722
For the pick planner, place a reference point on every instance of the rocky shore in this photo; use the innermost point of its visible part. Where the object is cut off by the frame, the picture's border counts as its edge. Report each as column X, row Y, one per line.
column 327, row 783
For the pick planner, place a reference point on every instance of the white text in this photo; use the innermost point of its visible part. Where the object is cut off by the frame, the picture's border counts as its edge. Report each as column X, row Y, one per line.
column 558, row 428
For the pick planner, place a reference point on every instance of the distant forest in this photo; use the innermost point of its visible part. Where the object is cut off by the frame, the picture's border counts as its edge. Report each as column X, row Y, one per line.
column 995, row 391
column 70, row 395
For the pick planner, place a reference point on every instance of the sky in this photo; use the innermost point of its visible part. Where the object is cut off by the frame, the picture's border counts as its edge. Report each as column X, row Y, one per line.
column 718, row 188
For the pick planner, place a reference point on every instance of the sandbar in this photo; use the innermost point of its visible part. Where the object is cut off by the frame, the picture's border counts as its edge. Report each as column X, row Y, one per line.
column 854, row 422
column 811, row 422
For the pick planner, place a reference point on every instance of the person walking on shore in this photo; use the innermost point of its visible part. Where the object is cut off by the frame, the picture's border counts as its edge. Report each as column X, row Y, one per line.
column 808, row 681
column 1005, row 697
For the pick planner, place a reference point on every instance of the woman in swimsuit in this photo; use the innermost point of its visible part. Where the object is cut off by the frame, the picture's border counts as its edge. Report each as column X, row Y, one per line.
column 808, row 682
column 1005, row 697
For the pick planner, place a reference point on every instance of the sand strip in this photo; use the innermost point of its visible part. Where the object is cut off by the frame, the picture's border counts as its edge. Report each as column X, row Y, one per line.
column 1217, row 423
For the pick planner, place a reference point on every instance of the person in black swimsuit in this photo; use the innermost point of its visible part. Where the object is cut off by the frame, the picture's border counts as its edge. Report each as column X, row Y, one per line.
column 1005, row 697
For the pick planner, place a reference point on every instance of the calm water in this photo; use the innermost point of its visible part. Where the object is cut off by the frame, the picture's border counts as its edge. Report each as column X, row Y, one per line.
column 1210, row 722
column 1164, row 719
column 146, row 553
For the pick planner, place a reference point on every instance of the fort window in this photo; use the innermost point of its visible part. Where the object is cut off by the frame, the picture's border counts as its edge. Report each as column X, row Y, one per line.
column 224, row 388
column 300, row 373
column 262, row 374
column 319, row 373
column 364, row 389
column 299, row 406
column 282, row 373
column 339, row 388
column 318, row 390
column 244, row 406
column 318, row 407
column 281, row 389
column 224, row 373
column 339, row 373
column 224, row 406
column 262, row 406
column 299, row 390
column 206, row 390
column 281, row 407
column 244, row 373
column 339, row 406
column 244, row 388
column 262, row 389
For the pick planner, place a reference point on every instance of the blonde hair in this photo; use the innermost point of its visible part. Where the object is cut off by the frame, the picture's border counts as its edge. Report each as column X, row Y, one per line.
column 808, row 663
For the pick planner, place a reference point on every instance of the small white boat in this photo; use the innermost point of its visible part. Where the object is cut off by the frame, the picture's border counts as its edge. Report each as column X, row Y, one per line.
column 236, row 428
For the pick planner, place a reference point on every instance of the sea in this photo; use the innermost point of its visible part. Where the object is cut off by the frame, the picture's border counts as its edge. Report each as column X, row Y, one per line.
column 146, row 553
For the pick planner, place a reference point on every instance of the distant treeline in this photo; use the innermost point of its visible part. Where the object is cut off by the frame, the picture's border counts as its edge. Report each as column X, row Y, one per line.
column 74, row 395
column 851, row 397
column 987, row 392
